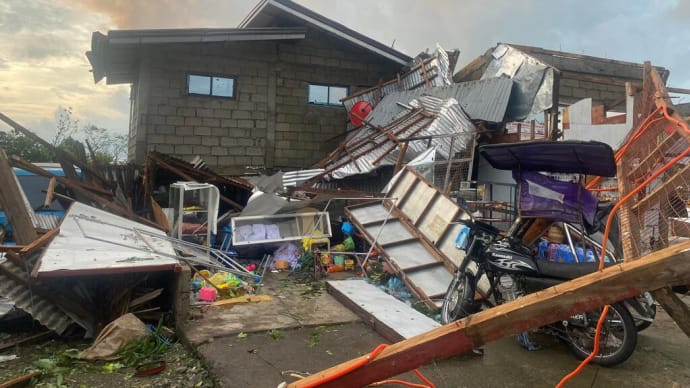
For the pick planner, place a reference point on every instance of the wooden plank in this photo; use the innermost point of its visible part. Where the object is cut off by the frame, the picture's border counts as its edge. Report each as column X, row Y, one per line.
column 662, row 268
column 675, row 307
column 39, row 242
column 20, row 380
column 49, row 193
column 10, row 248
column 158, row 215
column 393, row 319
column 25, row 340
column 12, row 202
column 242, row 299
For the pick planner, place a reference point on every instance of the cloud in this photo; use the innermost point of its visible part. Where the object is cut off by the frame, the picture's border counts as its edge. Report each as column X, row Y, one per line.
column 144, row 14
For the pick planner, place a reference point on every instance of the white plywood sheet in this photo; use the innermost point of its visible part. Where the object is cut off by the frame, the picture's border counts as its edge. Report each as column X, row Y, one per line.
column 393, row 231
column 405, row 181
column 92, row 239
column 391, row 312
column 409, row 255
column 418, row 199
column 374, row 212
column 433, row 281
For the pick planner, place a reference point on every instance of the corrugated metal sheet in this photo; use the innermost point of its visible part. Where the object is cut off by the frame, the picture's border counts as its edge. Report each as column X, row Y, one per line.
column 438, row 119
column 42, row 310
column 435, row 71
column 485, row 100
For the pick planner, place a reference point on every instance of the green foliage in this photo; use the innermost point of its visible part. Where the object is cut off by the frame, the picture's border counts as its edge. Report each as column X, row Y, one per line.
column 148, row 347
column 315, row 334
column 107, row 146
column 276, row 334
column 17, row 144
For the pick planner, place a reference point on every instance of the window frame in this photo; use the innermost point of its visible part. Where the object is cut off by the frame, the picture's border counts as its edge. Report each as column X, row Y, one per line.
column 328, row 94
column 211, row 77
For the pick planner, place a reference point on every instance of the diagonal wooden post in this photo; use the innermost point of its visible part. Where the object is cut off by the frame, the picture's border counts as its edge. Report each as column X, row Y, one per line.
column 669, row 266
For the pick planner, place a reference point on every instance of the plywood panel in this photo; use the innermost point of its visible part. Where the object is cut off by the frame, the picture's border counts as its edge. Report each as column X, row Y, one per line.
column 434, row 281
column 402, row 185
column 409, row 255
column 416, row 202
column 393, row 231
column 447, row 245
column 436, row 220
column 366, row 214
column 399, row 320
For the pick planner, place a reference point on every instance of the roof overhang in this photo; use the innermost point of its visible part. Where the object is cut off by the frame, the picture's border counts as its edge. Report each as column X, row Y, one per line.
column 267, row 12
column 116, row 55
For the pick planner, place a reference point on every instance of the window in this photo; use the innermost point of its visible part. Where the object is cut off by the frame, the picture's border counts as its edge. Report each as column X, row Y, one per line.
column 206, row 85
column 327, row 95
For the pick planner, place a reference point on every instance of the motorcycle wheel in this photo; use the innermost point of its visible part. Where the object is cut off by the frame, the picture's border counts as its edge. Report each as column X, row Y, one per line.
column 618, row 336
column 459, row 300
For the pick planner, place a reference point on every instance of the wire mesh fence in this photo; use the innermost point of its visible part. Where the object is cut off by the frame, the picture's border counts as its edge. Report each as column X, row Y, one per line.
column 653, row 175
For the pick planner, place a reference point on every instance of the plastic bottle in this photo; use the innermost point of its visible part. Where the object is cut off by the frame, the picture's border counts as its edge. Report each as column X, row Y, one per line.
column 552, row 252
column 461, row 240
column 543, row 246
column 589, row 256
column 565, row 255
column 580, row 254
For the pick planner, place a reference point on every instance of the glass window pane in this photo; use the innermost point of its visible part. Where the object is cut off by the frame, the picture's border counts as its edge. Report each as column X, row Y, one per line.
column 199, row 84
column 223, row 87
column 335, row 94
column 318, row 94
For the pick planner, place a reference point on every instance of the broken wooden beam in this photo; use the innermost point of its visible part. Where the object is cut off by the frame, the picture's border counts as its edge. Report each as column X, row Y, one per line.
column 669, row 266
column 21, row 379
column 12, row 202
column 39, row 242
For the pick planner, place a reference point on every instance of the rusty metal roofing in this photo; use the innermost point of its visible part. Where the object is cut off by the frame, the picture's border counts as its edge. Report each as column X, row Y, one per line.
column 485, row 100
column 430, row 72
column 42, row 310
column 439, row 120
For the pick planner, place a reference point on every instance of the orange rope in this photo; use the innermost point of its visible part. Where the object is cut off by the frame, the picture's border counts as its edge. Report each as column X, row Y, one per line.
column 609, row 221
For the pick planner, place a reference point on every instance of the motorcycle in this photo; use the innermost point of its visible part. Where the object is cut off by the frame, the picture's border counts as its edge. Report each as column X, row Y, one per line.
column 500, row 267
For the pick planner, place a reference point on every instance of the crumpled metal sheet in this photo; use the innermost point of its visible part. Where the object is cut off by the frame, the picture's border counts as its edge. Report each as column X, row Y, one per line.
column 533, row 90
column 485, row 100
column 42, row 310
column 442, row 119
column 436, row 70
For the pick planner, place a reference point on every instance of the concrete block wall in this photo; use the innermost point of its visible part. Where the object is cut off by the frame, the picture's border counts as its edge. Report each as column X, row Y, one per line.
column 572, row 90
column 269, row 124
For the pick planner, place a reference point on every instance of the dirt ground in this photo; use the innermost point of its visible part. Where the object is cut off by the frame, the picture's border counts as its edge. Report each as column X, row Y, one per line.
column 52, row 357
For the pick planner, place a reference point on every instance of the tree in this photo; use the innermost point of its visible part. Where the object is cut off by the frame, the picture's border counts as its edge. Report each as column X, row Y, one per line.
column 17, row 144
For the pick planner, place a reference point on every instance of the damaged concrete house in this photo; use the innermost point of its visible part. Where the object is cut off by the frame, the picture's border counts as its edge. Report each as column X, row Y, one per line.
column 392, row 137
column 264, row 95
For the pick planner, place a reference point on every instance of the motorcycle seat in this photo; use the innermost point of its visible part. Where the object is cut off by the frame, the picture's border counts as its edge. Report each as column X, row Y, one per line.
column 566, row 270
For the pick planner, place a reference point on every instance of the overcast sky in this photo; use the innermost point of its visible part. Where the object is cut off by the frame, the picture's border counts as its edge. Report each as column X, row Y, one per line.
column 42, row 42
